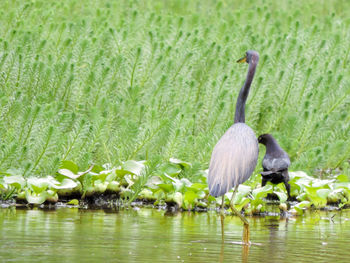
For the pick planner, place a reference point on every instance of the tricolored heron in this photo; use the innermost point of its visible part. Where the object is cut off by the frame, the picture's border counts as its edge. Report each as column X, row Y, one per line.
column 235, row 156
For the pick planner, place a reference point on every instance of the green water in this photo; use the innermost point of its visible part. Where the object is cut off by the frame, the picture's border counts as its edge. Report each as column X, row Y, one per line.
column 149, row 235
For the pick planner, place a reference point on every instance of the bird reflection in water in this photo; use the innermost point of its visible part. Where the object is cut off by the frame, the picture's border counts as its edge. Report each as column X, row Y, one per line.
column 245, row 243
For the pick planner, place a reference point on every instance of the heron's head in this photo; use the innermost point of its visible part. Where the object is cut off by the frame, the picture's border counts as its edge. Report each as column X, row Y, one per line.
column 264, row 138
column 250, row 55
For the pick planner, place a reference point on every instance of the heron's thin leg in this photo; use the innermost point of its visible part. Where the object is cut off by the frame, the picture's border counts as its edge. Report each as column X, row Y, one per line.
column 245, row 221
column 234, row 194
column 246, row 231
column 222, row 215
column 222, row 210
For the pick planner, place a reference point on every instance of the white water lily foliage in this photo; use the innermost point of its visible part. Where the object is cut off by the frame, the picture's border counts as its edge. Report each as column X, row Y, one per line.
column 180, row 162
column 68, row 173
column 41, row 184
column 134, row 167
column 15, row 180
column 38, row 184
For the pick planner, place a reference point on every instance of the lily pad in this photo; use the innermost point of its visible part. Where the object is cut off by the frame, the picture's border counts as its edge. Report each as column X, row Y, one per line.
column 68, row 173
column 167, row 188
column 180, row 162
column 15, row 180
column 281, row 196
column 33, row 198
column 178, row 198
column 69, row 165
column 131, row 167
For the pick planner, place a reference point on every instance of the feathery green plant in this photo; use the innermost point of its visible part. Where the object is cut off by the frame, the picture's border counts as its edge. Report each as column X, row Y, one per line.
column 108, row 81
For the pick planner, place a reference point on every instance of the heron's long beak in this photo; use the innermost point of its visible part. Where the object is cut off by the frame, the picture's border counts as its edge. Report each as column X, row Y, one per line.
column 241, row 60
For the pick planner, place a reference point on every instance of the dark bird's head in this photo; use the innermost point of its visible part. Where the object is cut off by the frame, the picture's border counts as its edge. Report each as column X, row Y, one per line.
column 265, row 138
column 250, row 56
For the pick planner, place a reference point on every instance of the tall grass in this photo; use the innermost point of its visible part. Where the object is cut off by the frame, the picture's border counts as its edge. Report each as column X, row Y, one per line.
column 105, row 81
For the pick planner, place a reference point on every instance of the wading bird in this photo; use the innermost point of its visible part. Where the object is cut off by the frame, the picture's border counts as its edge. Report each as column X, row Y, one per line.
column 235, row 156
column 275, row 163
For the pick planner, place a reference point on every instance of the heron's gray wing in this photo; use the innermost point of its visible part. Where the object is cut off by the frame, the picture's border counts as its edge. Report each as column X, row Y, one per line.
column 233, row 159
column 275, row 164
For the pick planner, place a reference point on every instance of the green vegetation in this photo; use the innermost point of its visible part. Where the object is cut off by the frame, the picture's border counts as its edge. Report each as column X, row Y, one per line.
column 111, row 81
column 165, row 185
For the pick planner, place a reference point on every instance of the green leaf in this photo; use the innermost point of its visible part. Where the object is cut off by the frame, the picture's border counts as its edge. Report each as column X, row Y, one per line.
column 100, row 186
column 189, row 199
column 132, row 167
column 338, row 195
column 70, row 191
column 65, row 184
column 97, row 169
column 178, row 198
column 37, row 184
column 170, row 169
column 51, row 196
column 153, row 182
column 323, row 193
column 281, row 196
column 147, row 195
column 178, row 184
column 261, row 192
column 244, row 189
column 321, row 183
column 200, row 194
column 73, row 202
column 111, row 176
column 342, row 178
column 342, row 185
column 69, row 165
column 113, row 186
column 16, row 181
column 33, row 198
column 167, row 188
column 198, row 187
column 68, row 173
column 21, row 196
column 180, row 162
column 211, row 199
column 243, row 202
column 299, row 175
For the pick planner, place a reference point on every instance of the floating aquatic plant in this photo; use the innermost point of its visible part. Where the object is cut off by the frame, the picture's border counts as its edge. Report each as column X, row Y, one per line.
column 130, row 181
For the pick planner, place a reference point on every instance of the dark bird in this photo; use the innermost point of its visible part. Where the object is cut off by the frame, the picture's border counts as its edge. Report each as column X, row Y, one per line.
column 235, row 156
column 275, row 163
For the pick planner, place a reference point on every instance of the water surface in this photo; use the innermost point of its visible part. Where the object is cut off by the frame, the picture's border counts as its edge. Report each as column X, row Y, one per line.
column 149, row 235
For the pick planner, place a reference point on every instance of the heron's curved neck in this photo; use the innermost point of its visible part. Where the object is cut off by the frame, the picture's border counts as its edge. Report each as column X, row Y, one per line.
column 243, row 94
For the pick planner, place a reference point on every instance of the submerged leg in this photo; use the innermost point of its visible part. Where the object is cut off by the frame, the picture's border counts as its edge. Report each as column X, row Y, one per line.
column 222, row 215
column 246, row 231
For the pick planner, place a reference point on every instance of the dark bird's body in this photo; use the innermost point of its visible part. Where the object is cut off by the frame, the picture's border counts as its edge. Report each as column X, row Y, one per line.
column 275, row 163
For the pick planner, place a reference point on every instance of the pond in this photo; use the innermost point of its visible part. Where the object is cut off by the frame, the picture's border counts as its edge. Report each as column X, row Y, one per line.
column 150, row 235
